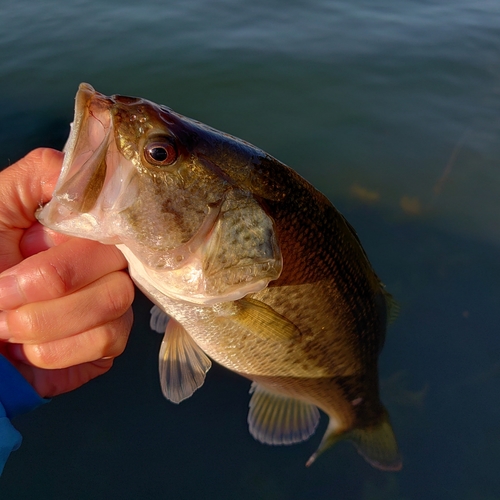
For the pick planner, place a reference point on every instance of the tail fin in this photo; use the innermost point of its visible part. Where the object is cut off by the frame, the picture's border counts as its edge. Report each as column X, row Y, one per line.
column 376, row 444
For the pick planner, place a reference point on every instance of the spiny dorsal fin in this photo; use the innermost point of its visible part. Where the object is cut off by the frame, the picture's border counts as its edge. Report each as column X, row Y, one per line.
column 263, row 321
column 391, row 304
column 392, row 308
column 159, row 319
column 183, row 365
column 276, row 419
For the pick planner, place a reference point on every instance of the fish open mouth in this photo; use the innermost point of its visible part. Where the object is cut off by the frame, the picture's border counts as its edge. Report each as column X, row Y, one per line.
column 95, row 179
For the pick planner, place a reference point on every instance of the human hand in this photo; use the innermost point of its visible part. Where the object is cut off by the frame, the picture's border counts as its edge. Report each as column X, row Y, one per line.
column 64, row 302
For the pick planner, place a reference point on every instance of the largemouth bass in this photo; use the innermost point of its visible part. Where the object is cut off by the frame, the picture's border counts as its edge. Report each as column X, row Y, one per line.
column 255, row 268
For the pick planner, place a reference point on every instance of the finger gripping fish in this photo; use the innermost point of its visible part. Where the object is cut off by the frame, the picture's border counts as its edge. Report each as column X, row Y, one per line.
column 255, row 268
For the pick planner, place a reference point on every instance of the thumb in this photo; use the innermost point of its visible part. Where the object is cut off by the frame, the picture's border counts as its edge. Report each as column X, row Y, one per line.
column 38, row 238
column 26, row 185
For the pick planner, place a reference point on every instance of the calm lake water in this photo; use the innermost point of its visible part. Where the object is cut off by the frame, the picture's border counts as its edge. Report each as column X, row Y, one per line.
column 392, row 109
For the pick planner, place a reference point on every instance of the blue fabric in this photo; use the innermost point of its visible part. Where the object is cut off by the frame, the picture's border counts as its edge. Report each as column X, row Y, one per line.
column 10, row 438
column 16, row 397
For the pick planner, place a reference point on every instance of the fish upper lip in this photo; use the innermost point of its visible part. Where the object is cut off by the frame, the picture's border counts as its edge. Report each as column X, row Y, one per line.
column 87, row 166
column 87, row 144
column 87, row 94
column 97, row 105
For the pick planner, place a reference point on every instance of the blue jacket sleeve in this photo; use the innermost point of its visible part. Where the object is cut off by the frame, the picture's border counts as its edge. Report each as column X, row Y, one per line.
column 16, row 397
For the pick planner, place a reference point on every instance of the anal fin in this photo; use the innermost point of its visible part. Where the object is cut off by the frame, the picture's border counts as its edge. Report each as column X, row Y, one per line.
column 276, row 419
column 182, row 363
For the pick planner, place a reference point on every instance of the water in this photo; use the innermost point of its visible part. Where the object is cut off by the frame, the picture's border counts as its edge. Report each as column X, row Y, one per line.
column 391, row 109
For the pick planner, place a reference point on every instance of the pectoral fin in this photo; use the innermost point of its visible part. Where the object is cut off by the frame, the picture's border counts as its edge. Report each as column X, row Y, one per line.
column 183, row 364
column 276, row 419
column 263, row 321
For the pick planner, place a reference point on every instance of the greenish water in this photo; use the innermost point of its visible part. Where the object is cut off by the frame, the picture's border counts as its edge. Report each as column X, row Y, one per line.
column 391, row 108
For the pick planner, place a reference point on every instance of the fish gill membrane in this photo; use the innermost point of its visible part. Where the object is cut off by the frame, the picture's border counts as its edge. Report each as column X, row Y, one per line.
column 254, row 267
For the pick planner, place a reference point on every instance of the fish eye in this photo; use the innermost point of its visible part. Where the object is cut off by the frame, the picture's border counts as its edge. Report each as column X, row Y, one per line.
column 160, row 153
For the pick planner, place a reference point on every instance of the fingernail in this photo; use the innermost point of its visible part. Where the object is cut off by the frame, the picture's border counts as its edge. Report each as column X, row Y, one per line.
column 10, row 295
column 4, row 329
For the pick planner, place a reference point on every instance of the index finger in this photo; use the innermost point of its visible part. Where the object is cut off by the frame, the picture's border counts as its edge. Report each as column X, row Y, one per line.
column 58, row 271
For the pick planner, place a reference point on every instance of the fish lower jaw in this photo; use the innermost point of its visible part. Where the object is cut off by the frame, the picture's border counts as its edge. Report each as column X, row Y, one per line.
column 55, row 215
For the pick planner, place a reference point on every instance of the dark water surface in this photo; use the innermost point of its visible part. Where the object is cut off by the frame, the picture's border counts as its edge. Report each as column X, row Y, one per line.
column 391, row 108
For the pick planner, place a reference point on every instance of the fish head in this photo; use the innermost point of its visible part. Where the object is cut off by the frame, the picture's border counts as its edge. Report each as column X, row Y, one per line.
column 181, row 198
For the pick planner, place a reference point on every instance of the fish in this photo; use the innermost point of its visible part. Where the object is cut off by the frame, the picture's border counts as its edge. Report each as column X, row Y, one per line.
column 246, row 263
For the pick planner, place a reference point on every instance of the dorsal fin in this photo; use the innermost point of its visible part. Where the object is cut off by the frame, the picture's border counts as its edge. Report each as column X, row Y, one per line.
column 276, row 419
column 376, row 443
column 182, row 363
column 392, row 307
